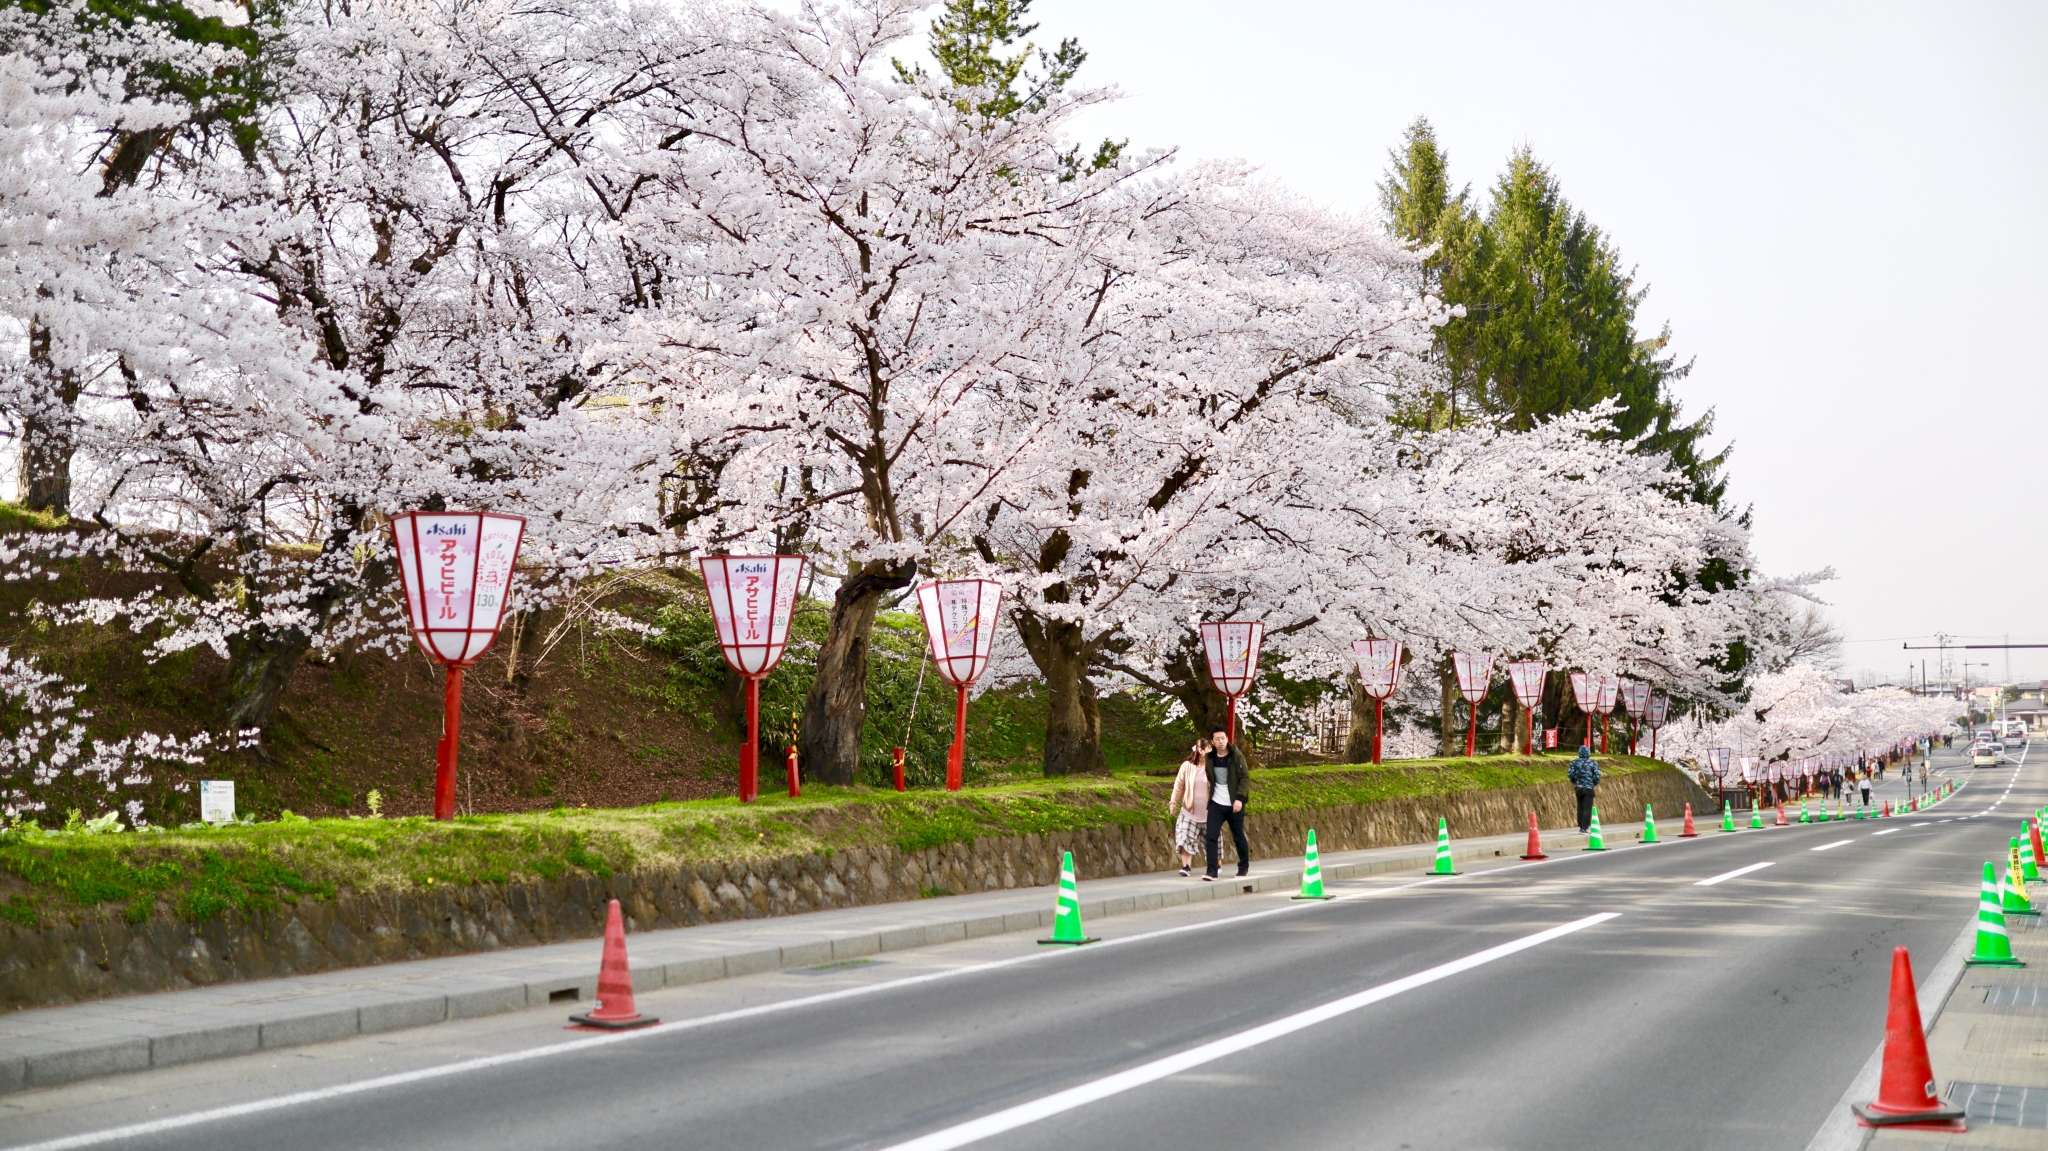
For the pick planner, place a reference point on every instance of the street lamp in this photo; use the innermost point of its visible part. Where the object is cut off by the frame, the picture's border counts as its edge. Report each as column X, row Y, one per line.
column 1527, row 676
column 1379, row 674
column 457, row 572
column 960, row 620
column 1232, row 648
column 752, row 598
column 1475, row 677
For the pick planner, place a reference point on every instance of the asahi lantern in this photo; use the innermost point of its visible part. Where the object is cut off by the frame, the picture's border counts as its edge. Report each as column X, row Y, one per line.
column 1379, row 674
column 1610, row 690
column 457, row 572
column 1527, row 678
column 960, row 620
column 1586, row 697
column 1232, row 648
column 1475, row 679
column 752, row 598
column 1659, row 711
column 1635, row 699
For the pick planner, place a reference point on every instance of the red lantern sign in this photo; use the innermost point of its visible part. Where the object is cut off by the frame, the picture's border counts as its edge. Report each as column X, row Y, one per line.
column 1635, row 700
column 1586, row 697
column 1233, row 651
column 1475, row 679
column 1654, row 717
column 1527, row 677
column 457, row 572
column 1379, row 673
column 960, row 620
column 752, row 598
column 1610, row 688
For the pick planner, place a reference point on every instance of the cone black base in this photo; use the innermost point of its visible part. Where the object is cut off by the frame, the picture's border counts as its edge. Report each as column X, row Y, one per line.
column 1072, row 942
column 587, row 1023
column 1314, row 897
column 1975, row 962
column 1943, row 1119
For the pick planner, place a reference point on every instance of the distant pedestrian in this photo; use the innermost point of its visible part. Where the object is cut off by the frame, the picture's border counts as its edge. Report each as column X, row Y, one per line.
column 1866, row 792
column 1189, row 807
column 1585, row 777
column 1230, row 785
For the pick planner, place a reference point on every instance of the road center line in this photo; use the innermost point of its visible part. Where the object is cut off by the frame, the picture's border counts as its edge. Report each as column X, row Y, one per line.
column 1059, row 1102
column 1728, row 875
column 1832, row 846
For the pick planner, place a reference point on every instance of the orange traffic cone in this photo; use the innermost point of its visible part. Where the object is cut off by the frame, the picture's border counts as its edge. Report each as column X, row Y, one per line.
column 615, row 1010
column 1781, row 814
column 1535, row 843
column 1906, row 1095
column 1688, row 833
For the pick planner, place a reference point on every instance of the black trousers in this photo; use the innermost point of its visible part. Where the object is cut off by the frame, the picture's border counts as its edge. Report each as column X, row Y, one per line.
column 1212, row 834
column 1585, row 811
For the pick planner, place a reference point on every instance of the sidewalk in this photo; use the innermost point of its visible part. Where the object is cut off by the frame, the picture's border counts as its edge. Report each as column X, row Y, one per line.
column 53, row 1045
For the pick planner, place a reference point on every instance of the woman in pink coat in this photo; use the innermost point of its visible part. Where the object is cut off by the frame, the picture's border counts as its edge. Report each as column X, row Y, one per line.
column 1189, row 808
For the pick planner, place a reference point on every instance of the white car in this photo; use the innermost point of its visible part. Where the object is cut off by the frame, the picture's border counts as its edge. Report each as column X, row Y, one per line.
column 1986, row 755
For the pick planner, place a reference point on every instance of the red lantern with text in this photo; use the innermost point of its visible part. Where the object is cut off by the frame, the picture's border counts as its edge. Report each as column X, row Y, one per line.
column 1586, row 697
column 960, row 620
column 1233, row 651
column 752, row 598
column 1527, row 678
column 1610, row 690
column 1654, row 717
column 1635, row 700
column 1475, row 679
column 1379, row 674
column 457, row 572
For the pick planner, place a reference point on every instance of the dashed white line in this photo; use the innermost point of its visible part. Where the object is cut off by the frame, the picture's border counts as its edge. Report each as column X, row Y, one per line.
column 1832, row 846
column 1728, row 875
column 1886, row 831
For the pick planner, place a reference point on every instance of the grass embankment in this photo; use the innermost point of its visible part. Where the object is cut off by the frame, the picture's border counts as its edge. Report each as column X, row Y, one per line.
column 199, row 873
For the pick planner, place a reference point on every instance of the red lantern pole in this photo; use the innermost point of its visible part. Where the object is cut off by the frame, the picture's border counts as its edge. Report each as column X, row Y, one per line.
column 896, row 764
column 956, row 756
column 451, row 743
column 1379, row 726
column 750, row 752
column 794, row 790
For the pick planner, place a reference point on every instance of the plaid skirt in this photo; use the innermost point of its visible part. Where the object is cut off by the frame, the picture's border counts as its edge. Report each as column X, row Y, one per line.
column 1187, row 834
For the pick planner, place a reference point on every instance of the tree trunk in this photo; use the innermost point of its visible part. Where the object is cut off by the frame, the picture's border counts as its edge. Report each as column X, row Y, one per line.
column 835, row 709
column 1450, row 733
column 1358, row 745
column 261, row 665
column 43, row 461
column 1073, row 725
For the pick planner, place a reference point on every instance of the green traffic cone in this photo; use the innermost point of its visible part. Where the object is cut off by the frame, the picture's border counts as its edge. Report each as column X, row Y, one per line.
column 2012, row 894
column 1594, row 841
column 1994, row 947
column 1443, row 849
column 1727, row 817
column 1756, row 818
column 1312, row 872
column 1066, row 923
column 2028, row 871
column 1650, row 825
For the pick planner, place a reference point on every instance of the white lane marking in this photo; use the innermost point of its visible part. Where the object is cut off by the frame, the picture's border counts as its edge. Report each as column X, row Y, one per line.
column 1832, row 846
column 1944, row 821
column 1886, row 831
column 1009, row 1119
column 1728, row 875
column 1922, row 823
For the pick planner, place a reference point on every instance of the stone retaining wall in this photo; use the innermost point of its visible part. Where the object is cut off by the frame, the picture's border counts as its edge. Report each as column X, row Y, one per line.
column 99, row 955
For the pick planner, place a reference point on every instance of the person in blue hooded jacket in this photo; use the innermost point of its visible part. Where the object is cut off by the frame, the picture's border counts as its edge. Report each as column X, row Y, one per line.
column 1585, row 777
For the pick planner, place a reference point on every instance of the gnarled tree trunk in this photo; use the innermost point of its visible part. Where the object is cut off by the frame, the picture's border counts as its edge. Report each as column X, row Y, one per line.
column 1364, row 717
column 1451, row 733
column 43, row 460
column 1073, row 726
column 835, row 709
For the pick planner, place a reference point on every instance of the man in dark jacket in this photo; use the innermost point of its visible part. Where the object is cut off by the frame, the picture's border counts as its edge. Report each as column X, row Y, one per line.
column 1230, row 785
column 1585, row 776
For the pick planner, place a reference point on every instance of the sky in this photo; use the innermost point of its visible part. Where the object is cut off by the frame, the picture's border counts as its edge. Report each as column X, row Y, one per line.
column 1837, row 208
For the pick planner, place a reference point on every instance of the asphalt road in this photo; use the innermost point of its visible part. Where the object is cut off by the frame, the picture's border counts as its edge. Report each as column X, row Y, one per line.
column 1495, row 1009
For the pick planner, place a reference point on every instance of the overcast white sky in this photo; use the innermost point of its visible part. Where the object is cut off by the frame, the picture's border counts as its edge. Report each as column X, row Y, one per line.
column 1838, row 207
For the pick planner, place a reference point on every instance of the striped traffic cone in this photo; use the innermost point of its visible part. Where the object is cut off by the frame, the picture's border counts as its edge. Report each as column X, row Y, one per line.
column 1756, row 818
column 1727, row 817
column 1535, row 841
column 1781, row 814
column 1312, row 872
column 1688, row 831
column 1804, row 815
column 2028, row 871
column 2034, row 834
column 1594, row 840
column 1994, row 947
column 2012, row 898
column 1066, row 922
column 615, row 1010
column 1443, row 849
column 1650, row 825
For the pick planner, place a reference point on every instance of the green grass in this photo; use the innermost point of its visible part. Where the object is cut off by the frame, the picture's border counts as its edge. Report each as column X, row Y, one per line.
column 201, row 872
